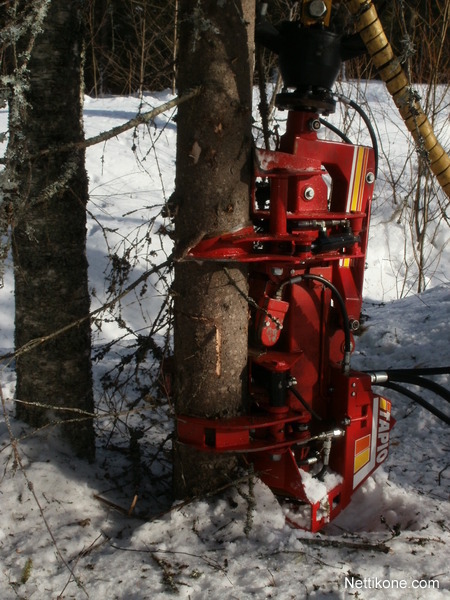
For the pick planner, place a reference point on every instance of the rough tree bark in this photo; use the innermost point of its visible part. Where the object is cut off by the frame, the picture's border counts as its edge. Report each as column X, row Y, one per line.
column 49, row 232
column 211, row 196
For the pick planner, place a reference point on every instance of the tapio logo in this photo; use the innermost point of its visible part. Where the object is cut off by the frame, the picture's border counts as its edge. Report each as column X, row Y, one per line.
column 384, row 427
column 373, row 448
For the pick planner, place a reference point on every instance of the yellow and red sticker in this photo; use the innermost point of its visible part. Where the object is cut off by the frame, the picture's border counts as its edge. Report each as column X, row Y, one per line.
column 362, row 452
column 357, row 179
column 372, row 449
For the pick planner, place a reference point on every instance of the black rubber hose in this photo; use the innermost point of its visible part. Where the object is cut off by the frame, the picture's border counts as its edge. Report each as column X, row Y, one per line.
column 416, row 398
column 335, row 130
column 423, row 371
column 304, row 403
column 367, row 122
column 416, row 377
column 438, row 389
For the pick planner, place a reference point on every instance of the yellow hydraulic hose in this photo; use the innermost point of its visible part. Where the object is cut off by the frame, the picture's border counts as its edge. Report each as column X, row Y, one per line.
column 391, row 72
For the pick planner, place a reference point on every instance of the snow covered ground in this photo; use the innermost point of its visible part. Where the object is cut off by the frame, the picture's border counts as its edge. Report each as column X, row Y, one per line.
column 107, row 530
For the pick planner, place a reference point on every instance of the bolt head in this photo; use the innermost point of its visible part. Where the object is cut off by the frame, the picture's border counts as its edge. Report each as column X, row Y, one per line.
column 309, row 193
column 317, row 9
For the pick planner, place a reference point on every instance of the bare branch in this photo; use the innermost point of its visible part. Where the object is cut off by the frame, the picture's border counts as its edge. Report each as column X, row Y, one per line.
column 32, row 344
column 140, row 119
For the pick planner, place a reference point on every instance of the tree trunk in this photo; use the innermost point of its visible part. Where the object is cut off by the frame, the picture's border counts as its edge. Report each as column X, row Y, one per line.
column 211, row 196
column 49, row 233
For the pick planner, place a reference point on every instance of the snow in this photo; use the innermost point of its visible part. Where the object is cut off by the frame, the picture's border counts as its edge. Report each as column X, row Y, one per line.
column 317, row 490
column 108, row 530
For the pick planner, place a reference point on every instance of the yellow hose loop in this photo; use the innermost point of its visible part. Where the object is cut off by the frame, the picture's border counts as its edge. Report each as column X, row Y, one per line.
column 391, row 72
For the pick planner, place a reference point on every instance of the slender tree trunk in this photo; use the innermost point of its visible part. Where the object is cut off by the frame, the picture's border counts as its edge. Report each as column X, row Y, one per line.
column 49, row 232
column 212, row 195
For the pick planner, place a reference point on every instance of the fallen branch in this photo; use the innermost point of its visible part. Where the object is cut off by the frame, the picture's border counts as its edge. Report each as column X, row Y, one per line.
column 120, row 509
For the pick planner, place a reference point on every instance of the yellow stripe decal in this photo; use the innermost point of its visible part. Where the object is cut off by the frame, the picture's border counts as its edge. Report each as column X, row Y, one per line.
column 361, row 459
column 359, row 179
column 385, row 405
column 352, row 179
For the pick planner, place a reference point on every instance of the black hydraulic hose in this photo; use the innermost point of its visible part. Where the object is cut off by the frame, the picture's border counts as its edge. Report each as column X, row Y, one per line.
column 439, row 390
column 304, row 403
column 335, row 130
column 416, row 377
column 416, row 398
column 340, row 301
column 423, row 371
column 367, row 122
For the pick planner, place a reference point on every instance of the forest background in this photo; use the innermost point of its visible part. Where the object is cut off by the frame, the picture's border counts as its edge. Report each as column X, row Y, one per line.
column 132, row 44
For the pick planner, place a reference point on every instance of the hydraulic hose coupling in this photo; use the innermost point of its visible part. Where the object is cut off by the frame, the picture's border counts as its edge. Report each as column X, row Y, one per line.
column 391, row 72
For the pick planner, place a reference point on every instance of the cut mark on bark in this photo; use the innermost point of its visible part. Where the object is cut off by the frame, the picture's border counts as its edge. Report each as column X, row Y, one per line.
column 195, row 152
column 218, row 351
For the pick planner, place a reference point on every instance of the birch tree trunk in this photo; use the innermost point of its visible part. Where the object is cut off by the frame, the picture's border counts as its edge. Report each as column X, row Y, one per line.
column 212, row 195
